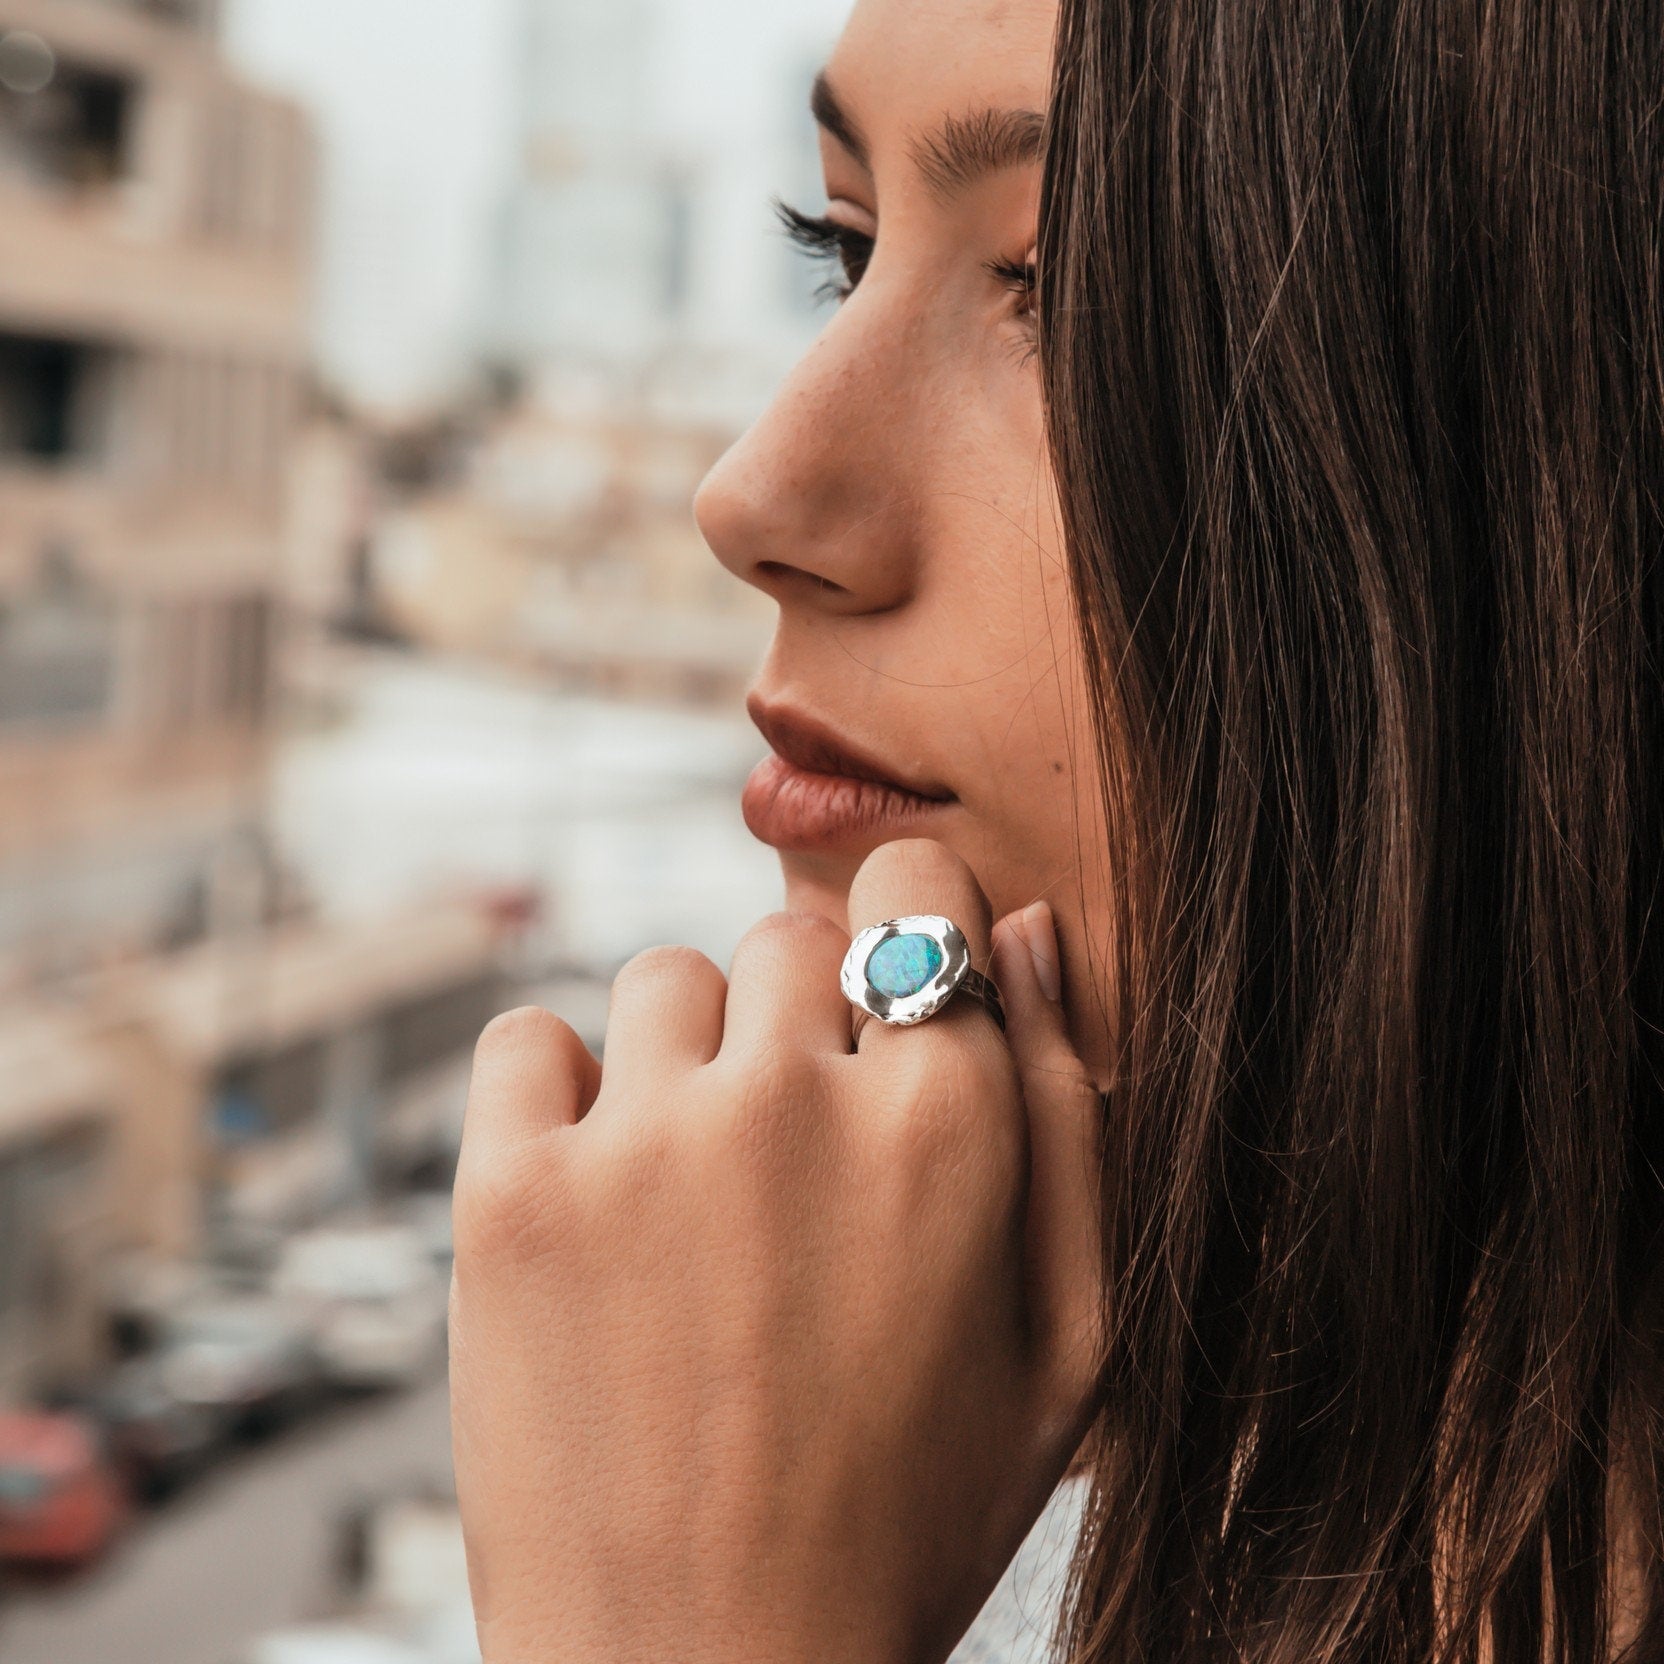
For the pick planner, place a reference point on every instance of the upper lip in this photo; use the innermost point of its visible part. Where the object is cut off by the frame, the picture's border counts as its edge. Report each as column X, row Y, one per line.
column 811, row 745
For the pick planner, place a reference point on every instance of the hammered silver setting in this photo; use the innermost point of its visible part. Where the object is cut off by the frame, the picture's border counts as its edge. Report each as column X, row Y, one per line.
column 916, row 1007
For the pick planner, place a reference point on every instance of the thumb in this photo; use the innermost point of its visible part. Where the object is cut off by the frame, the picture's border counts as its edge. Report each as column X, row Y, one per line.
column 1063, row 1232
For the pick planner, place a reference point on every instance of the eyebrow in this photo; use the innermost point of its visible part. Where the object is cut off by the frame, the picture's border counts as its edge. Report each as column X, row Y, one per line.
column 966, row 149
column 962, row 150
column 827, row 108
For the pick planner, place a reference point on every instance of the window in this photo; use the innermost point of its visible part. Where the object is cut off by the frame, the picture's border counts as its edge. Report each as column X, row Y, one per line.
column 56, row 396
column 57, row 651
column 36, row 1181
column 63, row 126
column 249, row 632
column 276, row 1093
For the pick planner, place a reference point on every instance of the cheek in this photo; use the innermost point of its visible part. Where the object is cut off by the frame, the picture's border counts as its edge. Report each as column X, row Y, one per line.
column 1039, row 830
column 1022, row 711
column 1031, row 806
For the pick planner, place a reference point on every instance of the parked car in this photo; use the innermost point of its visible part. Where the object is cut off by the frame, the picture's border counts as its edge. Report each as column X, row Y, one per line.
column 247, row 1360
column 159, row 1429
column 61, row 1503
column 373, row 1300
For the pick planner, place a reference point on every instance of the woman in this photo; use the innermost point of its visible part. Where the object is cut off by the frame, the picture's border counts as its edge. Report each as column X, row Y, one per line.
column 1222, row 519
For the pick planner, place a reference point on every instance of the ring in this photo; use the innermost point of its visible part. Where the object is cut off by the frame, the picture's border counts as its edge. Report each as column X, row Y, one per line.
column 905, row 970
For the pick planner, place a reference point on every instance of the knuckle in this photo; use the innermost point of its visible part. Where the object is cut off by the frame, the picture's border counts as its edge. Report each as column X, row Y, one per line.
column 945, row 1121
column 918, row 1109
column 527, row 1028
column 799, row 928
column 665, row 965
column 970, row 1069
column 781, row 941
column 520, row 1057
column 737, row 1130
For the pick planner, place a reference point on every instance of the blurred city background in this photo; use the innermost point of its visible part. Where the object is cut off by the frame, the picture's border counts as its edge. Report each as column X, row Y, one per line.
column 361, row 674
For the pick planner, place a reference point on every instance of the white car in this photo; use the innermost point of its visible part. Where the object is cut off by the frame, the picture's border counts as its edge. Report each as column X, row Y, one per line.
column 373, row 1300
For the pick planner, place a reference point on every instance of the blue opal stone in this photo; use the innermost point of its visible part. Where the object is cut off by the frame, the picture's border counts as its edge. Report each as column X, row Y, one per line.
column 901, row 966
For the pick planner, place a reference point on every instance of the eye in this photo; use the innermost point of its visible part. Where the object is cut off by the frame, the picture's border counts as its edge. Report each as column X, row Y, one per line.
column 1018, row 276
column 826, row 240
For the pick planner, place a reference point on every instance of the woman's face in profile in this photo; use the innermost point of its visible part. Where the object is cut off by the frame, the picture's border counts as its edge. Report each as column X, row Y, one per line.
column 896, row 502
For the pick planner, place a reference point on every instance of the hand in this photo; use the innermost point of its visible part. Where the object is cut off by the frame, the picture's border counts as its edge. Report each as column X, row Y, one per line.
column 761, row 1350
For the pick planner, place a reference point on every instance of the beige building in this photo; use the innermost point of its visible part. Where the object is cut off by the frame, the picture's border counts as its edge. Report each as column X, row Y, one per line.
column 243, row 1084
column 153, row 317
column 58, row 1195
column 571, row 548
column 154, row 215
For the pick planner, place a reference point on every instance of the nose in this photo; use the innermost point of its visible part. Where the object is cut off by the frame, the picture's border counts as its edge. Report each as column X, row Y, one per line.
column 812, row 504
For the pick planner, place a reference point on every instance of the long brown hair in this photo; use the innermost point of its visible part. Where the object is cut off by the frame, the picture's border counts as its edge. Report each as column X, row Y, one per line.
column 1353, row 345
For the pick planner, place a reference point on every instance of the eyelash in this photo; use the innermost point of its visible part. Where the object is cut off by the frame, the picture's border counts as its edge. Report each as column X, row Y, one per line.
column 826, row 240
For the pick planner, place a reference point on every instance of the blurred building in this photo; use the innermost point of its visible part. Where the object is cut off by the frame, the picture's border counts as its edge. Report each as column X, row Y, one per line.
column 569, row 548
column 60, row 1119
column 154, row 221
column 298, row 1066
column 218, row 1096
column 154, row 216
column 637, row 266
column 646, row 312
column 596, row 240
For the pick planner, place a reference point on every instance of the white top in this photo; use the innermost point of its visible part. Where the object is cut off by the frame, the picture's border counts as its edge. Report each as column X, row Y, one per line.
column 1015, row 1626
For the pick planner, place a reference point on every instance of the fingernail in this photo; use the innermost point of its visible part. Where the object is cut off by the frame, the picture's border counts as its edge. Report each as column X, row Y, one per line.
column 1041, row 933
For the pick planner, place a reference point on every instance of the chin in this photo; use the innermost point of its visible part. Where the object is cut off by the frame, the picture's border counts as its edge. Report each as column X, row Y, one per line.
column 818, row 887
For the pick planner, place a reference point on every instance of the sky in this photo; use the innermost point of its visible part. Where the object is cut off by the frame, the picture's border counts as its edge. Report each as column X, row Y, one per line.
column 414, row 103
column 410, row 102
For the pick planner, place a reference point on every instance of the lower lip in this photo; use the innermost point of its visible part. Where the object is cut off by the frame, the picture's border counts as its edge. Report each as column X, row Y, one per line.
column 792, row 808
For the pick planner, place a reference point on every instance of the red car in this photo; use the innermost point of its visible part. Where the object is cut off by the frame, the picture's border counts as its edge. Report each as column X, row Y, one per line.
column 60, row 1500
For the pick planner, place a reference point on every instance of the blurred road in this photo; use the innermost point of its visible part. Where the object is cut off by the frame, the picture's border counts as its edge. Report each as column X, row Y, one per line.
column 245, row 1551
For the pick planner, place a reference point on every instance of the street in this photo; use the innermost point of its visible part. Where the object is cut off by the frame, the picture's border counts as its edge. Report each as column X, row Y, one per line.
column 245, row 1551
column 434, row 777
column 249, row 1551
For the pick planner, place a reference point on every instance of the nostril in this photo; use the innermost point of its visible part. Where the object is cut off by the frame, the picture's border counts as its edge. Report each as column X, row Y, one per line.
column 778, row 574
